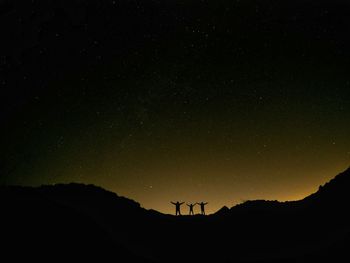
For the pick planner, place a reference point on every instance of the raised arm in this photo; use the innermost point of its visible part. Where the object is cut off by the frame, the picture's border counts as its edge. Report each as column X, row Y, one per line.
column 182, row 203
column 206, row 203
column 188, row 204
column 173, row 203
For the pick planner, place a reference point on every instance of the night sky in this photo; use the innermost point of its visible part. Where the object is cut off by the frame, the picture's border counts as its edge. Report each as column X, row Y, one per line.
column 164, row 100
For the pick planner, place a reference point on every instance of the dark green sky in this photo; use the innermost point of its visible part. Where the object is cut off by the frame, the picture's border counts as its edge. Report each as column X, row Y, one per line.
column 189, row 101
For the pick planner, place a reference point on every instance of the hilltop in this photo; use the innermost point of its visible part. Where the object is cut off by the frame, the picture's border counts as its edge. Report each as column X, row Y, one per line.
column 90, row 222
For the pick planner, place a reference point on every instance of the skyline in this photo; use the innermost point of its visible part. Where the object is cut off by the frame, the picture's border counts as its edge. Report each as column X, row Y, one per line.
column 176, row 101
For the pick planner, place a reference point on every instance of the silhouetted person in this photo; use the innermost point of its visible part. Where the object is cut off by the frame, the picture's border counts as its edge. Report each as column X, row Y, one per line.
column 177, row 207
column 202, row 207
column 191, row 208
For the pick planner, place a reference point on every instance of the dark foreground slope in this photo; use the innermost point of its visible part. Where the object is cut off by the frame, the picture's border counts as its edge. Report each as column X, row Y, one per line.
column 64, row 222
column 85, row 222
column 315, row 228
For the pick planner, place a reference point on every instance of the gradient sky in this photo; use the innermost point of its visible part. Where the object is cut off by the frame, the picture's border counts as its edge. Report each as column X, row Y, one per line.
column 165, row 101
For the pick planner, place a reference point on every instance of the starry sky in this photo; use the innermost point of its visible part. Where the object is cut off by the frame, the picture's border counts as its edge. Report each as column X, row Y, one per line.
column 218, row 101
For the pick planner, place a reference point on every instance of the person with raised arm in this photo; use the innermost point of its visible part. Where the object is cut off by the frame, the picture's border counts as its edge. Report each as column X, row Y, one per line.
column 191, row 208
column 202, row 204
column 177, row 207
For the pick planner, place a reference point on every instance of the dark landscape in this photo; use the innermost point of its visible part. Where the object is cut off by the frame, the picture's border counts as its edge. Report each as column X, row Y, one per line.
column 166, row 101
column 85, row 221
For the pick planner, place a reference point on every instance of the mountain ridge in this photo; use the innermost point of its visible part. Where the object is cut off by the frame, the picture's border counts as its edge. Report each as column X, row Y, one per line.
column 73, row 190
column 93, row 221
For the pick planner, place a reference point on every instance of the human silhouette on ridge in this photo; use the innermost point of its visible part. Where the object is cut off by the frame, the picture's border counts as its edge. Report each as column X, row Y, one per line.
column 177, row 207
column 202, row 204
column 191, row 208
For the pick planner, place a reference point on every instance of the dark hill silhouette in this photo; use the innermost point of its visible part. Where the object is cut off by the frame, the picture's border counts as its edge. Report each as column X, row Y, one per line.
column 316, row 225
column 47, row 43
column 65, row 221
column 85, row 221
column 334, row 193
